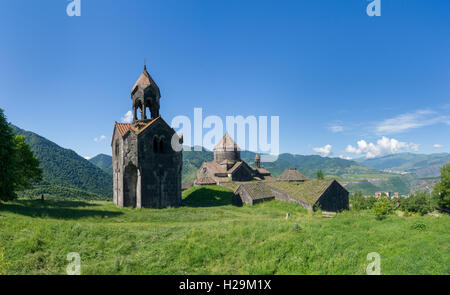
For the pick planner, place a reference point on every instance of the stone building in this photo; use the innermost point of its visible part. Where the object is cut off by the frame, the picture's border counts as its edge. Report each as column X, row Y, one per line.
column 328, row 195
column 228, row 166
column 253, row 193
column 146, row 167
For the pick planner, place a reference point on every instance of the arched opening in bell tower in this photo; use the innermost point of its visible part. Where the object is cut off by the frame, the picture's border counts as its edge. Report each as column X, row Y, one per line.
column 130, row 177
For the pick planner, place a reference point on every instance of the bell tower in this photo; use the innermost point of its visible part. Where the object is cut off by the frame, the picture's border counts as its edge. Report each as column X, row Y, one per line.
column 145, row 95
column 146, row 165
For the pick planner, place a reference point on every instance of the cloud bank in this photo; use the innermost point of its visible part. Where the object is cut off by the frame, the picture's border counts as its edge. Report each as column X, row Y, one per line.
column 384, row 146
column 404, row 122
column 324, row 151
column 127, row 118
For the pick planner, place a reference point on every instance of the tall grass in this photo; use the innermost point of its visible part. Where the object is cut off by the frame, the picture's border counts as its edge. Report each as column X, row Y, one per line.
column 208, row 235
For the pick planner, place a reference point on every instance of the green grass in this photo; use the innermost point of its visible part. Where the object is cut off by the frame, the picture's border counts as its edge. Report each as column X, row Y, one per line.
column 208, row 235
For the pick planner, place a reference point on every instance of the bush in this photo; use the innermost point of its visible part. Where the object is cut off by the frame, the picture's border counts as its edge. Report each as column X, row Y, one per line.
column 360, row 202
column 419, row 226
column 419, row 203
column 383, row 207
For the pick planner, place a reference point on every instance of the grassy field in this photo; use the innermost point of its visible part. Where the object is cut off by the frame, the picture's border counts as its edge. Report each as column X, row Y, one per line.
column 208, row 235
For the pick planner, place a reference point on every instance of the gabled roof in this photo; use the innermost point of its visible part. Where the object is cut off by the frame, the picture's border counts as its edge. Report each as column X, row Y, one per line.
column 235, row 167
column 308, row 191
column 146, row 125
column 262, row 171
column 292, row 174
column 226, row 143
column 124, row 128
column 138, row 128
column 214, row 168
column 205, row 181
column 257, row 190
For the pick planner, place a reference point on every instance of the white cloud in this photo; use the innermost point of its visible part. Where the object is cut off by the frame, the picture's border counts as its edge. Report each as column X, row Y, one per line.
column 408, row 121
column 384, row 146
column 100, row 139
column 324, row 151
column 336, row 128
column 438, row 146
column 128, row 117
column 345, row 157
column 87, row 158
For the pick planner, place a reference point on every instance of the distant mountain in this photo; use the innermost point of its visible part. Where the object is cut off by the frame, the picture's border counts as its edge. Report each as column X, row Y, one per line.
column 309, row 165
column 64, row 167
column 104, row 162
column 419, row 164
column 399, row 184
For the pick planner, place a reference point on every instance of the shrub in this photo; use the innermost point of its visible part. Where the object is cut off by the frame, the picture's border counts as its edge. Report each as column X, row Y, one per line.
column 419, row 226
column 383, row 207
column 360, row 202
column 419, row 203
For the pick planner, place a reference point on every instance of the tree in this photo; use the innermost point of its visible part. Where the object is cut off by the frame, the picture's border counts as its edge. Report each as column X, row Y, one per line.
column 383, row 207
column 7, row 150
column 26, row 165
column 442, row 188
column 320, row 175
column 19, row 168
column 419, row 203
column 360, row 202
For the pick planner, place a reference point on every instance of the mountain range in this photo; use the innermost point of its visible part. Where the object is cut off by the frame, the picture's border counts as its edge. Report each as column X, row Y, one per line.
column 420, row 165
column 65, row 168
column 65, row 172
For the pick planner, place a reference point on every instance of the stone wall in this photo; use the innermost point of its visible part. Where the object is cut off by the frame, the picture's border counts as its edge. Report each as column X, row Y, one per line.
column 282, row 196
column 334, row 199
column 160, row 169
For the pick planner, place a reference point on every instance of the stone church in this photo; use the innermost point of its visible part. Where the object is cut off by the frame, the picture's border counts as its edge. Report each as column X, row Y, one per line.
column 146, row 167
column 228, row 166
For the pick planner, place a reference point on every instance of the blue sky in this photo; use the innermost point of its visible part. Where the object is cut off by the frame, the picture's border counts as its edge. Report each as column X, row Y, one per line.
column 335, row 76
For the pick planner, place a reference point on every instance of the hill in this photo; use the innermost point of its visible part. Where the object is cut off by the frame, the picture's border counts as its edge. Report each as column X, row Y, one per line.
column 309, row 165
column 399, row 184
column 65, row 168
column 419, row 164
column 208, row 235
column 104, row 162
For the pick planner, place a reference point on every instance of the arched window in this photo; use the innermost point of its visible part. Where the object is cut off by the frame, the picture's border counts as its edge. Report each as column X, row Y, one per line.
column 116, row 149
column 155, row 145
column 161, row 146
